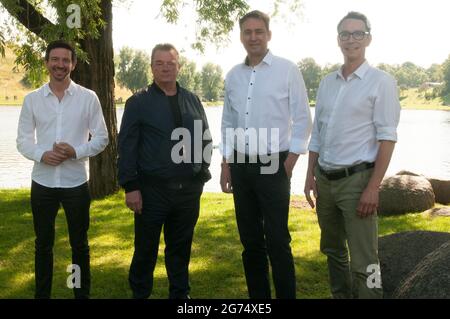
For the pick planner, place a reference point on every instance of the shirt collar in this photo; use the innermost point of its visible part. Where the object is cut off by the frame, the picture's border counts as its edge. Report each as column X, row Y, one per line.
column 159, row 90
column 70, row 89
column 268, row 58
column 360, row 72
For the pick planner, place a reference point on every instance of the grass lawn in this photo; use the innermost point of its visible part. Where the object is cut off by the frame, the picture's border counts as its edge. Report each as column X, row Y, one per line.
column 216, row 268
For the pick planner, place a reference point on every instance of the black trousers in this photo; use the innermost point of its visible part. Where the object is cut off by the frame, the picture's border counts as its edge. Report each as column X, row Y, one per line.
column 45, row 203
column 262, row 208
column 177, row 210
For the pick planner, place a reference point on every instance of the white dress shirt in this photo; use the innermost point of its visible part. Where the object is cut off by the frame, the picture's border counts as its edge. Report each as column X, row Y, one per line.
column 353, row 115
column 269, row 104
column 45, row 120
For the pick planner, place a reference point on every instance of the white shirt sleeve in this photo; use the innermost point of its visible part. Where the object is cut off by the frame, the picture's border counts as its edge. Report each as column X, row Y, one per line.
column 386, row 113
column 226, row 145
column 26, row 140
column 300, row 113
column 97, row 129
column 314, row 143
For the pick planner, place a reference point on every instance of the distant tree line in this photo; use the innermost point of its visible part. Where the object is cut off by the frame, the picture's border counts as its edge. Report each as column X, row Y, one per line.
column 134, row 72
column 408, row 75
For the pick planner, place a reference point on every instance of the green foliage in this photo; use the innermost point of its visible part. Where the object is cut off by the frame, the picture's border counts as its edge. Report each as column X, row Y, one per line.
column 311, row 72
column 446, row 77
column 30, row 57
column 212, row 81
column 215, row 19
column 435, row 73
column 188, row 76
column 133, row 69
column 409, row 75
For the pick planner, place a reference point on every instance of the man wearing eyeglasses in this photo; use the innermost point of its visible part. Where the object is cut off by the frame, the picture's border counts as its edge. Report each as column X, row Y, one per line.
column 163, row 176
column 353, row 138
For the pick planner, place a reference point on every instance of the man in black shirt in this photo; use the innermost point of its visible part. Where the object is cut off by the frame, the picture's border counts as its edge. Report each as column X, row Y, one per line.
column 163, row 182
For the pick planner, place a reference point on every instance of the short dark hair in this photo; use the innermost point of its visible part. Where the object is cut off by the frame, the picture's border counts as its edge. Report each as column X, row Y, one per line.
column 60, row 44
column 357, row 16
column 256, row 14
column 163, row 47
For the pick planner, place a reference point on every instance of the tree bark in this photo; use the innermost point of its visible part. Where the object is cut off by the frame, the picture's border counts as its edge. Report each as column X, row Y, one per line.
column 98, row 75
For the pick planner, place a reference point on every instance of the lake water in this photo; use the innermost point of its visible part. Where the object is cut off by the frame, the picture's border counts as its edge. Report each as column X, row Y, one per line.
column 423, row 147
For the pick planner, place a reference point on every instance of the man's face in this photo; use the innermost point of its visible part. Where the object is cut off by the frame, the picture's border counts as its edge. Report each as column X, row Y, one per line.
column 255, row 36
column 60, row 64
column 165, row 66
column 353, row 49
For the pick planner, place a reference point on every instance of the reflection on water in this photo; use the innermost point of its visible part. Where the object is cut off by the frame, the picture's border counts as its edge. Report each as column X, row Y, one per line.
column 423, row 147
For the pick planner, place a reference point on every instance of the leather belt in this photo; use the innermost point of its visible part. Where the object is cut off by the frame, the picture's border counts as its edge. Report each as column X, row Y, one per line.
column 344, row 172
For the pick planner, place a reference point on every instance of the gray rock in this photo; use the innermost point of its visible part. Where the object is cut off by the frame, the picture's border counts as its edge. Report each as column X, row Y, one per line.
column 399, row 253
column 430, row 279
column 441, row 189
column 439, row 211
column 401, row 194
column 403, row 172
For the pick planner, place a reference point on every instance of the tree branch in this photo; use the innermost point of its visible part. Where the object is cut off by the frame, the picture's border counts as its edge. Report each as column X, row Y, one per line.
column 27, row 15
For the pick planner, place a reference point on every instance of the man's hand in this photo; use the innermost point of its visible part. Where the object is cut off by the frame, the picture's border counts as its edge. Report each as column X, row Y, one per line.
column 225, row 179
column 289, row 163
column 133, row 200
column 53, row 158
column 64, row 149
column 310, row 185
column 368, row 203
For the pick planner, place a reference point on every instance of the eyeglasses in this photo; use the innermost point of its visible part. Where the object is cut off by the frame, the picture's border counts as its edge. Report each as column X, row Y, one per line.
column 357, row 35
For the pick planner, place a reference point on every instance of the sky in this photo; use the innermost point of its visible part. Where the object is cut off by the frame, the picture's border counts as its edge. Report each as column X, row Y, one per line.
column 402, row 30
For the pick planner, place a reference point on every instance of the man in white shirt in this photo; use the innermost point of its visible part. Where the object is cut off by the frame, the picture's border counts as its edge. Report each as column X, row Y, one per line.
column 353, row 138
column 266, row 124
column 60, row 126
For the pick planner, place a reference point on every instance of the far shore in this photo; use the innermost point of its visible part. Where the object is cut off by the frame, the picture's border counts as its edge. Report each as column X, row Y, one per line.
column 212, row 104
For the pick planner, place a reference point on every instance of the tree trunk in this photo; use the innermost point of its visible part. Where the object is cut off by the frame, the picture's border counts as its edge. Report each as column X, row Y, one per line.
column 98, row 75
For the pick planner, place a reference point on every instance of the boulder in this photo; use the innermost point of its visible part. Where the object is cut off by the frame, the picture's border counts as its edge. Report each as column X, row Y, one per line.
column 403, row 172
column 430, row 279
column 399, row 253
column 441, row 189
column 439, row 211
column 401, row 194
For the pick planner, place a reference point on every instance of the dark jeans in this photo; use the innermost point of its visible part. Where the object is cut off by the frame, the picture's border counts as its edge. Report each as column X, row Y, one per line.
column 45, row 203
column 177, row 210
column 262, row 208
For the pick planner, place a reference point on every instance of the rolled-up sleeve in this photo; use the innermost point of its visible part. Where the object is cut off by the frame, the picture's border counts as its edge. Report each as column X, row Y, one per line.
column 386, row 113
column 97, row 128
column 300, row 113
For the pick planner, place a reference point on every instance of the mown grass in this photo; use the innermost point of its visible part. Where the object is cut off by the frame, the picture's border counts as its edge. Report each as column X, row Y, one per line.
column 216, row 268
column 415, row 99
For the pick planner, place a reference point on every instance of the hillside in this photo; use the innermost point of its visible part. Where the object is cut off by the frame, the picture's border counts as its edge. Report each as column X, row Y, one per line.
column 10, row 83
